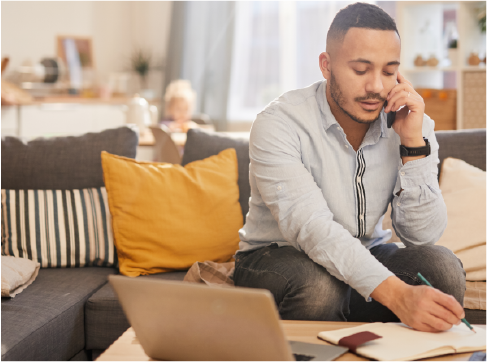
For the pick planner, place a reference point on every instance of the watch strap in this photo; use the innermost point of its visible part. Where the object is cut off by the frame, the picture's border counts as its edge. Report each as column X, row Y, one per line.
column 415, row 151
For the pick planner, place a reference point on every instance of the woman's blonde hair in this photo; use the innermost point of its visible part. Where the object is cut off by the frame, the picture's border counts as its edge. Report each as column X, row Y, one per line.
column 179, row 89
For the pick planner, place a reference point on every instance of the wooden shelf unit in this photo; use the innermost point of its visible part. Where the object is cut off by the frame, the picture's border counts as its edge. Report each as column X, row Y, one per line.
column 410, row 18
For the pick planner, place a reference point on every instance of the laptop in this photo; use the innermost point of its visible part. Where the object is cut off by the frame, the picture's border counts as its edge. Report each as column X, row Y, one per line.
column 189, row 321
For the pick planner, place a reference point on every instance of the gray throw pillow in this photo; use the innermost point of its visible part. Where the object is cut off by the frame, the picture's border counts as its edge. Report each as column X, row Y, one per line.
column 62, row 163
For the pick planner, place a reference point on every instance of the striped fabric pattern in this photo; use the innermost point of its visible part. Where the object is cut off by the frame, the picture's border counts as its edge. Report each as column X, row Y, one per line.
column 359, row 186
column 58, row 228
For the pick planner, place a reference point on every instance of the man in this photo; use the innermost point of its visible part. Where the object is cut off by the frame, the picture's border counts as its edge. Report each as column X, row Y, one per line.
column 324, row 167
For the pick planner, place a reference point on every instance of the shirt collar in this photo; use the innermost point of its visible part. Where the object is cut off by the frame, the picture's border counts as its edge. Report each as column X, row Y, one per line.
column 328, row 117
column 378, row 128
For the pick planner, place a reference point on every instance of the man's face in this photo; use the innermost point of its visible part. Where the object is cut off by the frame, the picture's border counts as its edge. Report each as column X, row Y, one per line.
column 363, row 70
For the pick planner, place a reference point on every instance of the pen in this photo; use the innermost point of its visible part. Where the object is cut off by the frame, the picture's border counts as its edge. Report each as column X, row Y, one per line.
column 423, row 279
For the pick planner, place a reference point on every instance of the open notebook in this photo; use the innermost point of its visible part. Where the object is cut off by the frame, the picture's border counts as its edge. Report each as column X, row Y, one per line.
column 399, row 342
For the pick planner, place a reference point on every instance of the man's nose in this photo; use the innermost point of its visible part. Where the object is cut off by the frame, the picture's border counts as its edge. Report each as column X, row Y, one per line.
column 374, row 83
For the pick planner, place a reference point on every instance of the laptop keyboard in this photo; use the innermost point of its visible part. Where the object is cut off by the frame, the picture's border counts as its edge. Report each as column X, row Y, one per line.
column 302, row 357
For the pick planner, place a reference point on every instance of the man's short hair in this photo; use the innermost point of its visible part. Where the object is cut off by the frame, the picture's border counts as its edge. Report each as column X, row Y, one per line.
column 359, row 15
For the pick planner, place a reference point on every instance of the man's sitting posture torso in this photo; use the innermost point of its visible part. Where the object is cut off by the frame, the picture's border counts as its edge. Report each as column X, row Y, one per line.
column 310, row 189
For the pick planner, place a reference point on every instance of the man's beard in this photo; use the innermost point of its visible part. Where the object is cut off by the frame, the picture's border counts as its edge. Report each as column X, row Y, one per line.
column 337, row 96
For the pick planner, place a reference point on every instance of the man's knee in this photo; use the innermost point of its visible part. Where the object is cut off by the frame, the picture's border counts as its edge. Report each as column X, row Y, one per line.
column 443, row 270
column 302, row 289
column 322, row 298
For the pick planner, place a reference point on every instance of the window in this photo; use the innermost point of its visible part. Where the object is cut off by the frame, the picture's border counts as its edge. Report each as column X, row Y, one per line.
column 276, row 49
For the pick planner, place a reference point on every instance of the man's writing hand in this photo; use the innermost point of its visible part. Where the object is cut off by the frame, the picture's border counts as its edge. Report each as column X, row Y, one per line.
column 420, row 307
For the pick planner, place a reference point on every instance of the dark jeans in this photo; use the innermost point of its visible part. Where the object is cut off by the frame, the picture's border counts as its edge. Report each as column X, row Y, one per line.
column 304, row 290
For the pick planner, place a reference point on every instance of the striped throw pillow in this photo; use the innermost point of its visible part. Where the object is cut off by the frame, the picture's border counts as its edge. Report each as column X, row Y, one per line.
column 58, row 228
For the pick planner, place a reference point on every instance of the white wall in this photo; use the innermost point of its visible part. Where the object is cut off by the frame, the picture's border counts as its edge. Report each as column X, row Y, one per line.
column 151, row 26
column 112, row 35
column 29, row 31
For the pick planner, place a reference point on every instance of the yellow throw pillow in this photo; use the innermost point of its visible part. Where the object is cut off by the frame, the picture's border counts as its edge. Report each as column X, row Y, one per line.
column 463, row 189
column 166, row 217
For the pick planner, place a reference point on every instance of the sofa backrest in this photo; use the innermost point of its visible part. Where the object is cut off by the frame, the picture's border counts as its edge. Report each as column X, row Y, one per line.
column 62, row 163
column 468, row 145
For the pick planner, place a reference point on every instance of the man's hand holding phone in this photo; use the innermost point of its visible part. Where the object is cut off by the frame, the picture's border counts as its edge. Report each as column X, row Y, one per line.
column 409, row 119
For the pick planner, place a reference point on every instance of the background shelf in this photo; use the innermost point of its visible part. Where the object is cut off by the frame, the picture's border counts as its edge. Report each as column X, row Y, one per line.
column 425, row 28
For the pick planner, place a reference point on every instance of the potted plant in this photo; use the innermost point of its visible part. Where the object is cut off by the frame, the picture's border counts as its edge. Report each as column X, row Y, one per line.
column 453, row 52
column 481, row 18
column 141, row 63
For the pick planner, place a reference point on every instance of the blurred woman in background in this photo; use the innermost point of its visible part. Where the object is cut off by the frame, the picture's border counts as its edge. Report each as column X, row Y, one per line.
column 179, row 101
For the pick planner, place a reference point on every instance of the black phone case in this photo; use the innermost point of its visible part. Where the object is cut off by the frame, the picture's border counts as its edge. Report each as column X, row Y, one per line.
column 391, row 117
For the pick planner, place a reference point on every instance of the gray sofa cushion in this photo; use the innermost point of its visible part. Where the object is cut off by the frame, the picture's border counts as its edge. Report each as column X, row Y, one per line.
column 46, row 320
column 105, row 320
column 81, row 356
column 467, row 145
column 475, row 316
column 201, row 144
column 62, row 162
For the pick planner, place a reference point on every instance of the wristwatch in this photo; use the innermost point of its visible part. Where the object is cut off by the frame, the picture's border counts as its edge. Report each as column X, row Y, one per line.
column 415, row 151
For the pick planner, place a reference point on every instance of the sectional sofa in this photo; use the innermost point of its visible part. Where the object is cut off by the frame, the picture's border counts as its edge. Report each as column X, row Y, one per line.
column 72, row 313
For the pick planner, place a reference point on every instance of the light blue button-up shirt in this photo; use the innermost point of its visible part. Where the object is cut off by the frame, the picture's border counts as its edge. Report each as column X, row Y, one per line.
column 312, row 191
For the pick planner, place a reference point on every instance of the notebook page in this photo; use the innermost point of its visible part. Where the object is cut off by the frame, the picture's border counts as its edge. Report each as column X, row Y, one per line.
column 400, row 342
column 457, row 337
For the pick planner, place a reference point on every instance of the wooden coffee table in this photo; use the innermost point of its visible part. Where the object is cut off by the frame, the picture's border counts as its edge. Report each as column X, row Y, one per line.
column 128, row 348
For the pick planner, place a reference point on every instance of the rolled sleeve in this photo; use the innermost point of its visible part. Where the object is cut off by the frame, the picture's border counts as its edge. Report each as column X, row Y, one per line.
column 300, row 209
column 419, row 213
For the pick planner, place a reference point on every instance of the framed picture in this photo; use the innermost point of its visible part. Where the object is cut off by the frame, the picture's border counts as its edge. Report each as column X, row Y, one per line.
column 83, row 46
column 77, row 54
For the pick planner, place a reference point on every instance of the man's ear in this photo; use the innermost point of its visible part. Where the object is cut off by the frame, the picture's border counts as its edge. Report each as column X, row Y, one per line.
column 325, row 65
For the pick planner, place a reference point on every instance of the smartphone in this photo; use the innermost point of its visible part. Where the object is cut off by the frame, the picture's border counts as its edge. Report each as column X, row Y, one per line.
column 391, row 117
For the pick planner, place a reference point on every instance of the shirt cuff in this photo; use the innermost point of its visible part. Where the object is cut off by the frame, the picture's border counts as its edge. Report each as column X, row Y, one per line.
column 415, row 173
column 374, row 279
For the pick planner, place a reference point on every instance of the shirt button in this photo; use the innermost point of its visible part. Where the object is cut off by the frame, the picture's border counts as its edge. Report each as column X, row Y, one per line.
column 402, row 173
column 361, row 217
column 359, row 179
column 398, row 204
column 346, row 146
column 279, row 188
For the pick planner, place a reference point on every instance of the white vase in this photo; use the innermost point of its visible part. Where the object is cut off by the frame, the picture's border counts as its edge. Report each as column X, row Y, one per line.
column 453, row 56
column 139, row 112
